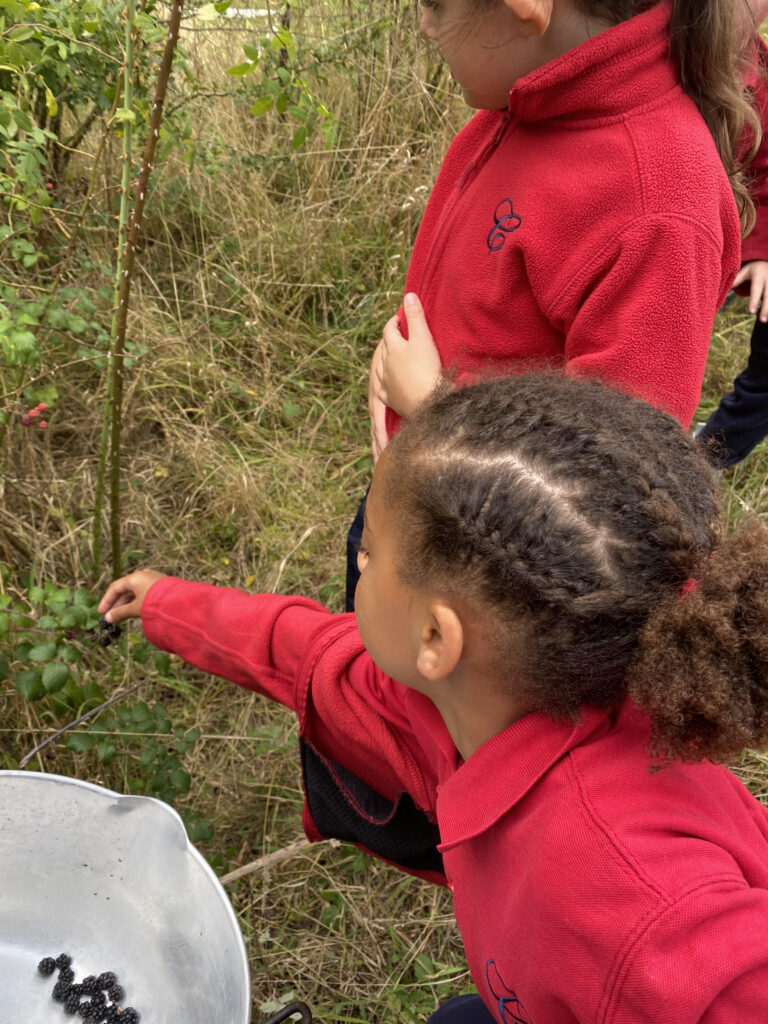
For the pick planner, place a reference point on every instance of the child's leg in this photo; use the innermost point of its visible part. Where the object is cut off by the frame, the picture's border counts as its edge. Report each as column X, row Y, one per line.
column 463, row 1010
column 741, row 420
column 354, row 537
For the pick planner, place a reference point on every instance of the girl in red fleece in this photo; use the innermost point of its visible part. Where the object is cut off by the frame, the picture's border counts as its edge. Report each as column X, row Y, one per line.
column 585, row 216
column 546, row 597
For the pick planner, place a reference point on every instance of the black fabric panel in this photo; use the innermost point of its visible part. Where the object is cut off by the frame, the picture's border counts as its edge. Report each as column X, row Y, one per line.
column 344, row 807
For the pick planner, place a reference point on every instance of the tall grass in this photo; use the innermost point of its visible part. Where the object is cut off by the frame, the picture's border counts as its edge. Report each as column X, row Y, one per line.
column 264, row 279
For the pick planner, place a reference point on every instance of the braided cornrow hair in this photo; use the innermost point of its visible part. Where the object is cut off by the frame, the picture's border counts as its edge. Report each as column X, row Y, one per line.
column 577, row 513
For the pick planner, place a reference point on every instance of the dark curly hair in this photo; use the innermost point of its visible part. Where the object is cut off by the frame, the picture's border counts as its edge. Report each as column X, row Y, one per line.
column 577, row 514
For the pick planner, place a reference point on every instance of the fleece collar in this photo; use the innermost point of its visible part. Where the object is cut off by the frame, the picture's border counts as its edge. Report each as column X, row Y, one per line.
column 620, row 70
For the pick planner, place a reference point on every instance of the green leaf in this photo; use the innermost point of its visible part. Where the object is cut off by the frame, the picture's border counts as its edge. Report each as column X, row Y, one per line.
column 125, row 115
column 5, row 623
column 73, row 616
column 262, row 105
column 42, row 652
column 84, row 598
column 180, row 780
column 55, row 676
column 81, row 742
column 251, row 52
column 106, row 752
column 238, row 70
column 29, row 683
column 21, row 33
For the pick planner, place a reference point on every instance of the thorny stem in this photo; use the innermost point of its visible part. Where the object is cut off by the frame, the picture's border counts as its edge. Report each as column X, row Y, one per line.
column 124, row 292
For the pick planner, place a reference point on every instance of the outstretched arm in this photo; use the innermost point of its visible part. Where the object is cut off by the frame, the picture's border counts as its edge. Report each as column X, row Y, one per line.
column 124, row 598
column 403, row 370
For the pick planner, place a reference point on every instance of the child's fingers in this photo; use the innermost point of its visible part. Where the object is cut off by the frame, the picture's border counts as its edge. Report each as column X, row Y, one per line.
column 756, row 289
column 118, row 592
column 743, row 274
column 123, row 599
column 418, row 330
column 392, row 336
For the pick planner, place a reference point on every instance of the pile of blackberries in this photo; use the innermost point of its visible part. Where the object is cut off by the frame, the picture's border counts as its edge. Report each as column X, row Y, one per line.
column 95, row 999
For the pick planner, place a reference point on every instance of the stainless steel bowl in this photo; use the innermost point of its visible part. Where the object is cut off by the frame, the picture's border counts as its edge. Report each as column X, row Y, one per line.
column 113, row 881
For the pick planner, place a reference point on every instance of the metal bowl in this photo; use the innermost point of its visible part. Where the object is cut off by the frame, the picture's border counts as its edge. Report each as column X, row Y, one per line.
column 113, row 881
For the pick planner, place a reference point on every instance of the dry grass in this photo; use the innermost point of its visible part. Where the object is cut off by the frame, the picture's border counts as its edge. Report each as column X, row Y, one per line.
column 264, row 280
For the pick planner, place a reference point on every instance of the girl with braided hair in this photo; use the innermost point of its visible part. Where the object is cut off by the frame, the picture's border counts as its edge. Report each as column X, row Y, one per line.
column 554, row 646
column 589, row 215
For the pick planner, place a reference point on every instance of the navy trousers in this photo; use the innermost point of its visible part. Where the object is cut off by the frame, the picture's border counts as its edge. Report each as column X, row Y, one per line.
column 468, row 1009
column 740, row 422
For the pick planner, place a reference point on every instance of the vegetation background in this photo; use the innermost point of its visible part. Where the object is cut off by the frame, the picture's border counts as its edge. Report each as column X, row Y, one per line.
column 295, row 157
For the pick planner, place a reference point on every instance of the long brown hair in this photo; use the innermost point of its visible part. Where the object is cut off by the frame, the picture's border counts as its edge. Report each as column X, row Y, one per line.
column 711, row 41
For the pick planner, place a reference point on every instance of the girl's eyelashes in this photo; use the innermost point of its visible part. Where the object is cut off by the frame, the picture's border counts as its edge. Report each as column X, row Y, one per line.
column 359, row 549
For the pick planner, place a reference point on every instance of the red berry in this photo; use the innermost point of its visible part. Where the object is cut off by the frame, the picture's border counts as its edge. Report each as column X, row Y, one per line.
column 26, row 420
column 33, row 413
column 42, row 424
column 42, row 407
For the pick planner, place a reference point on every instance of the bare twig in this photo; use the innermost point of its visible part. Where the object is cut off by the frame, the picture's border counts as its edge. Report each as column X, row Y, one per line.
column 267, row 861
column 78, row 721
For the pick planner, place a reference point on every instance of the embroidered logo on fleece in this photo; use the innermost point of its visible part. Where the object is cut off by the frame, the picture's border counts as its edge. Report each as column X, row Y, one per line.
column 505, row 221
column 511, row 1010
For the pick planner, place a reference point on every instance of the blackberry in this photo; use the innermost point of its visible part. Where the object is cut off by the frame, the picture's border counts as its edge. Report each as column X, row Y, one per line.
column 47, row 966
column 72, row 1003
column 105, row 640
column 63, row 960
column 113, row 1015
column 116, row 993
column 67, row 975
column 114, row 630
column 106, row 979
column 129, row 1016
column 90, row 986
column 60, row 991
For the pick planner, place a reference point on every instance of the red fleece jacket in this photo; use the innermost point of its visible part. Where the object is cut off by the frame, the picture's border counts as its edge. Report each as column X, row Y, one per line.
column 590, row 225
column 587, row 890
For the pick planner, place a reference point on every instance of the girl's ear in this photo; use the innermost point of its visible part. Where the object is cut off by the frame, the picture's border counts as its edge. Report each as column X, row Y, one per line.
column 535, row 14
column 441, row 642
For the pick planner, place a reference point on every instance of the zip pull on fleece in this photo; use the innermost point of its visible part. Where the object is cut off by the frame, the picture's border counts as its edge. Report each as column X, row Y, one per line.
column 490, row 146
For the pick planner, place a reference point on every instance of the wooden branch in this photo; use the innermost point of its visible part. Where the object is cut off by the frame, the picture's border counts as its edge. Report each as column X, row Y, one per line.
column 267, row 861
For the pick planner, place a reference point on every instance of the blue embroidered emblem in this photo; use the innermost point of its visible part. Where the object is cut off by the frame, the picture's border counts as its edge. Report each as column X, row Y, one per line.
column 505, row 221
column 510, row 1008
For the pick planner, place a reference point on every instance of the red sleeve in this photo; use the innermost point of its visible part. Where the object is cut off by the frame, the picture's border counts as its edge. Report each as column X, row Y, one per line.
column 295, row 652
column 627, row 328
column 705, row 959
column 255, row 640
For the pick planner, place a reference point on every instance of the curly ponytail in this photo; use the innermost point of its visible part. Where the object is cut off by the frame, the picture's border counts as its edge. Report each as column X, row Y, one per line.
column 701, row 670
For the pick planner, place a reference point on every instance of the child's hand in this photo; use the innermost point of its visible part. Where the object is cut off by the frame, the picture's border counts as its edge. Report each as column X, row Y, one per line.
column 123, row 598
column 756, row 272
column 403, row 373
